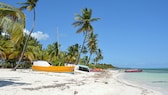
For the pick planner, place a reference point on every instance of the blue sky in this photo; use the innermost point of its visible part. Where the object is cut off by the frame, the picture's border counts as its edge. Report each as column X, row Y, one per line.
column 131, row 33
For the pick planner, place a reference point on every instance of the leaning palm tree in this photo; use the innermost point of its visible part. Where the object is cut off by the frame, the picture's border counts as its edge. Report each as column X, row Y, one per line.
column 84, row 24
column 29, row 5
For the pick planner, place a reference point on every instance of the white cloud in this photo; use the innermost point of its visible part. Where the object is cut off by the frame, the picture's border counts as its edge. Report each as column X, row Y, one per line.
column 38, row 35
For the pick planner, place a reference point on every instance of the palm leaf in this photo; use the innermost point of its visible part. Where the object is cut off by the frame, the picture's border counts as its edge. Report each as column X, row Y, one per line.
column 94, row 19
column 14, row 55
column 29, row 55
column 19, row 14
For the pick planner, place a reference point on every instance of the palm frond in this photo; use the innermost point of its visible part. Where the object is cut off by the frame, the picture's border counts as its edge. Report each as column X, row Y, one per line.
column 29, row 55
column 15, row 12
column 23, row 8
column 80, row 30
column 78, row 23
column 29, row 5
column 14, row 55
column 94, row 19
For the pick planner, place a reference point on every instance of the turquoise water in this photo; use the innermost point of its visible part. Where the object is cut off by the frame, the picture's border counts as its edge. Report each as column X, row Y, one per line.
column 156, row 79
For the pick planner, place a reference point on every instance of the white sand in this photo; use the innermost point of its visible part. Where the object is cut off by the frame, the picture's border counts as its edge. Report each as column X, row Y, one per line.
column 28, row 82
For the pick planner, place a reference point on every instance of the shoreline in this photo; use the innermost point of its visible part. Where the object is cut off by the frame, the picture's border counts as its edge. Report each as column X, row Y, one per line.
column 28, row 82
column 145, row 89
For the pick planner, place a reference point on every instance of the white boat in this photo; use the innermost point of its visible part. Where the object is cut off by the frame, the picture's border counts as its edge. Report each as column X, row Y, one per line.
column 82, row 68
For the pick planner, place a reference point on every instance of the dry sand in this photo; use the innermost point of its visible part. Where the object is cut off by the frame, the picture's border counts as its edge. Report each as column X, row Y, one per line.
column 28, row 82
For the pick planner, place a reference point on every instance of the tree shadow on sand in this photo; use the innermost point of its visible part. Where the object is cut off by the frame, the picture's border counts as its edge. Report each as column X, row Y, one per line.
column 10, row 82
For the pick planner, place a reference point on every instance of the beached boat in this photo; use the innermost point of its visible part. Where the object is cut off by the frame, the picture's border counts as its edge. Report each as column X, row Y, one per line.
column 82, row 68
column 96, row 70
column 134, row 70
column 45, row 66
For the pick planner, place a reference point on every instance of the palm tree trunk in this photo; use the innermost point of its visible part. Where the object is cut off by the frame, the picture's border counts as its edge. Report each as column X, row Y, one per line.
column 77, row 61
column 25, row 45
column 89, row 58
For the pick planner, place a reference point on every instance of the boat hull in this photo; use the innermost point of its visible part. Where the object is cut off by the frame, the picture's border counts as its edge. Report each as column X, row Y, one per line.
column 136, row 70
column 60, row 69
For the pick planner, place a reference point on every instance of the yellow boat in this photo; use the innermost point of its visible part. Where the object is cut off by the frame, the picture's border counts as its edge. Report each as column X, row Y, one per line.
column 45, row 66
column 60, row 69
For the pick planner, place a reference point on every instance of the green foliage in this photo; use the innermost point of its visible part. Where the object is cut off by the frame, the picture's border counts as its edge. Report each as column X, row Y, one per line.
column 6, row 65
column 92, row 65
column 14, row 45
column 101, row 66
column 25, row 64
column 83, row 21
column 57, row 63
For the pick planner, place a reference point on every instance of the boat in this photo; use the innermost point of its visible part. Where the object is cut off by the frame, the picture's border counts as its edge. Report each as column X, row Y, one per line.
column 41, row 65
column 96, row 70
column 134, row 70
column 82, row 68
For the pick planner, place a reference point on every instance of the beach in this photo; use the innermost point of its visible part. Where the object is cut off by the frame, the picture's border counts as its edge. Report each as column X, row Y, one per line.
column 28, row 82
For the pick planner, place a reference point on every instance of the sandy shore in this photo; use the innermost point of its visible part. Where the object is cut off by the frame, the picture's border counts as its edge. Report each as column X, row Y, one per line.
column 28, row 82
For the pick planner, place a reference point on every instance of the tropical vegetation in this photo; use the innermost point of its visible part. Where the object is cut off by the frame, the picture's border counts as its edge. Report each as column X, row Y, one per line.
column 18, row 49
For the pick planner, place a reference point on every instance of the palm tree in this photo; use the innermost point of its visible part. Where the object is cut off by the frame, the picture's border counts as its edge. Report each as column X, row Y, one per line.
column 62, row 57
column 72, row 53
column 32, row 52
column 6, row 48
column 11, row 12
column 35, row 47
column 98, row 56
column 84, row 24
column 92, row 44
column 44, row 55
column 29, row 5
column 3, row 49
column 53, row 50
column 84, row 60
column 12, row 22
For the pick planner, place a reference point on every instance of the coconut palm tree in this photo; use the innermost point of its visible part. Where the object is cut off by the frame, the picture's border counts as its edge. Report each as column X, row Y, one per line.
column 3, row 49
column 29, row 5
column 6, row 48
column 44, row 55
column 12, row 22
column 72, row 53
column 62, row 57
column 11, row 12
column 92, row 45
column 84, row 23
column 35, row 47
column 99, row 56
column 53, row 50
column 84, row 60
column 32, row 52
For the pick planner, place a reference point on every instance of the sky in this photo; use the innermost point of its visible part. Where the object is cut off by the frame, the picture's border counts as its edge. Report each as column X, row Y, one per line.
column 131, row 33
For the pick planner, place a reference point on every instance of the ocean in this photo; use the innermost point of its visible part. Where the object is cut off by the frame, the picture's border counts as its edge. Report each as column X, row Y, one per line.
column 156, row 79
